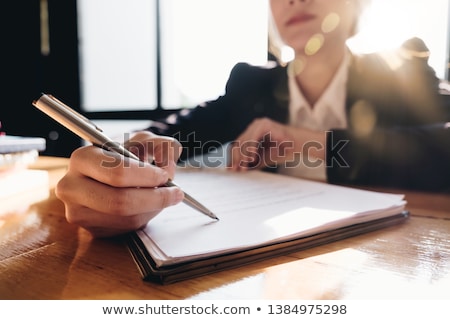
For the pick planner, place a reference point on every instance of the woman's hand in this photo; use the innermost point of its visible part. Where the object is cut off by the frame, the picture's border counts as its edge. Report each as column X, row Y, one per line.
column 266, row 143
column 108, row 194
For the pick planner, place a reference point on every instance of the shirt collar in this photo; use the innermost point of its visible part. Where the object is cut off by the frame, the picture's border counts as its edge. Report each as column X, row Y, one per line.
column 329, row 111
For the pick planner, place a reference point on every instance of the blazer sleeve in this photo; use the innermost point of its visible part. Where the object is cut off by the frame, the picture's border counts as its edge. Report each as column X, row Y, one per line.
column 248, row 95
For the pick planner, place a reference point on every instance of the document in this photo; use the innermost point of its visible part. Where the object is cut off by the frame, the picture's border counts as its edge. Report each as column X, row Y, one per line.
column 256, row 210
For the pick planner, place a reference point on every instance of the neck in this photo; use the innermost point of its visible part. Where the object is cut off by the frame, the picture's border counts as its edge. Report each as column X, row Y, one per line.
column 317, row 72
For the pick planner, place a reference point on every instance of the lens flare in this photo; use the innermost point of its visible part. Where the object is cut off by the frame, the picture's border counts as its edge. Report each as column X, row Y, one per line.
column 314, row 44
column 330, row 22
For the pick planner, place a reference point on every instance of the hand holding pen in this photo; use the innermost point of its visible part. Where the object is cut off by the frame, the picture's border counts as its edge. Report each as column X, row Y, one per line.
column 114, row 199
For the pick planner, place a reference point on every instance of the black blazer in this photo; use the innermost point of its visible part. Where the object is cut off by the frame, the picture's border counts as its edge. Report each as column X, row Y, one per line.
column 396, row 134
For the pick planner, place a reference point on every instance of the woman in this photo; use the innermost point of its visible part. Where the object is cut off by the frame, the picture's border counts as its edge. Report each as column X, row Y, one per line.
column 329, row 115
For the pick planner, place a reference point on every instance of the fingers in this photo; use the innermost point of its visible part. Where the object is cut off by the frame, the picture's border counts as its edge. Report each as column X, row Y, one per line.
column 109, row 194
column 124, row 201
column 104, row 225
column 107, row 211
column 245, row 149
column 114, row 169
column 256, row 147
column 245, row 155
column 161, row 150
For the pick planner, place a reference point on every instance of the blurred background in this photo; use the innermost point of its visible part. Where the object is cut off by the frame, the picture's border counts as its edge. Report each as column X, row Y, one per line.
column 125, row 62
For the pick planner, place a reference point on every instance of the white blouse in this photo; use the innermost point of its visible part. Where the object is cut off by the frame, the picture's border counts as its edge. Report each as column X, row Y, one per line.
column 327, row 113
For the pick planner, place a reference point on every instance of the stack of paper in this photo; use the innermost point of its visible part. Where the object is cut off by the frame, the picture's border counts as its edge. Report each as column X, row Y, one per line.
column 260, row 213
column 20, row 186
column 18, row 152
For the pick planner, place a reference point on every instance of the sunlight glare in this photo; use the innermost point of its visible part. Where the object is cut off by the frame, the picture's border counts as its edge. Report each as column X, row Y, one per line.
column 388, row 23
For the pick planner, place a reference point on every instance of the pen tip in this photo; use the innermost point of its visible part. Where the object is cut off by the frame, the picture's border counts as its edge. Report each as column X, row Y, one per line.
column 212, row 215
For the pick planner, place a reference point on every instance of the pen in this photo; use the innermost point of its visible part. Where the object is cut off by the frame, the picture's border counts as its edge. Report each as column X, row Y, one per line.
column 87, row 130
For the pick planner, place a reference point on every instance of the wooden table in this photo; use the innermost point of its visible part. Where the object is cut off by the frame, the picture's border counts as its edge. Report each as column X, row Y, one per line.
column 44, row 257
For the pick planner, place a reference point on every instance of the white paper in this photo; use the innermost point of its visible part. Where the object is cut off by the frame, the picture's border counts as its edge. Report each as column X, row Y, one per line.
column 255, row 208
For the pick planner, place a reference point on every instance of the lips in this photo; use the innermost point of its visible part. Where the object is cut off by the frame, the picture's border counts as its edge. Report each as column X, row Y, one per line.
column 300, row 18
